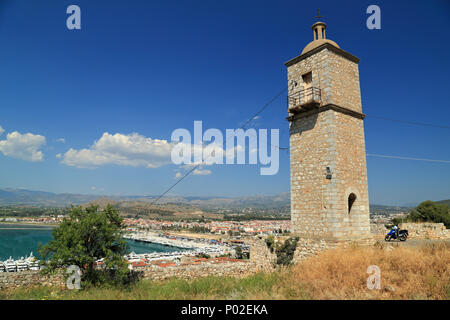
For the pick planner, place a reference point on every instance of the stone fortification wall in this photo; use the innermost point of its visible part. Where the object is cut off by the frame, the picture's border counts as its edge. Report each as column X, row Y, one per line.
column 197, row 268
column 261, row 256
column 378, row 229
column 12, row 280
column 426, row 230
column 188, row 272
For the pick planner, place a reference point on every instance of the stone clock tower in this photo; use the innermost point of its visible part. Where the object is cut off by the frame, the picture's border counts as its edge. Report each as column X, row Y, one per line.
column 329, row 196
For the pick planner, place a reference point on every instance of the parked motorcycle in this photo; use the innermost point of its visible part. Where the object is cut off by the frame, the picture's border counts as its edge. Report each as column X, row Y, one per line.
column 402, row 235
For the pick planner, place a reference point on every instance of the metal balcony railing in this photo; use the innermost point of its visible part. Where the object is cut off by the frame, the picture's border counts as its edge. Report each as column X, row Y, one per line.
column 304, row 99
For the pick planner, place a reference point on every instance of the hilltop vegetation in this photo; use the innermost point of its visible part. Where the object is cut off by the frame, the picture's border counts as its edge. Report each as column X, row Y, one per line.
column 446, row 202
column 429, row 211
column 29, row 211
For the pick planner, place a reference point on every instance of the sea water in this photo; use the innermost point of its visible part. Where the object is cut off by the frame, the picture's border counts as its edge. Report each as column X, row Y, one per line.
column 19, row 240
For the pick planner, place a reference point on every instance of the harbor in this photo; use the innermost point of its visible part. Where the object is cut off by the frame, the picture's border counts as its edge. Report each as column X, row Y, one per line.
column 190, row 246
column 177, row 248
column 22, row 264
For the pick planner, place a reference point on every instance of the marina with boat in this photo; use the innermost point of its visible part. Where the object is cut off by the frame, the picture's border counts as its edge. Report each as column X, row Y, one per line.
column 22, row 264
column 187, row 247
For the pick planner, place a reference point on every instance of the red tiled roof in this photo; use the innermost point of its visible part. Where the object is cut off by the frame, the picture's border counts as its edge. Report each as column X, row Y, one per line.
column 167, row 264
column 139, row 264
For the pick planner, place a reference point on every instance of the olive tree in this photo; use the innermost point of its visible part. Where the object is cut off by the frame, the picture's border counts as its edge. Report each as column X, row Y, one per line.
column 84, row 237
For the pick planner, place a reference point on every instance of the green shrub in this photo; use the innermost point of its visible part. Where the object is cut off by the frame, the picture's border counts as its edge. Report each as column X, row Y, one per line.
column 285, row 252
column 429, row 211
column 270, row 242
column 84, row 237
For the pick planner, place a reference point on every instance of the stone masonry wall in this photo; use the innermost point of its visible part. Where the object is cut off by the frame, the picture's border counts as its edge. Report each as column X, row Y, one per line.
column 310, row 140
column 11, row 280
column 320, row 206
column 350, row 176
column 378, row 229
column 261, row 256
column 188, row 272
column 342, row 84
column 336, row 76
column 426, row 230
column 265, row 260
column 310, row 247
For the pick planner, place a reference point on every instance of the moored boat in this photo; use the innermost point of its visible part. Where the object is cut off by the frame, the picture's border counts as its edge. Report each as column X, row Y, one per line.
column 10, row 265
column 33, row 263
column 21, row 264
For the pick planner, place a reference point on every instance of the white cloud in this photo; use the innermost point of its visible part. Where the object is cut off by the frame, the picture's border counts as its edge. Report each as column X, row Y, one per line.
column 120, row 149
column 62, row 140
column 138, row 151
column 22, row 146
column 1, row 130
column 201, row 172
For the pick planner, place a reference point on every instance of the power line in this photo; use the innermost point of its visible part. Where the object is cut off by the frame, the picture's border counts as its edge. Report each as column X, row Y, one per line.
column 396, row 120
column 264, row 107
column 405, row 158
column 411, row 122
column 287, row 148
column 177, row 182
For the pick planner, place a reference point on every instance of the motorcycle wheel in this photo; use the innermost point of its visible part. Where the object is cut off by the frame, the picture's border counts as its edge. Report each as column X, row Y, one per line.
column 402, row 238
column 387, row 238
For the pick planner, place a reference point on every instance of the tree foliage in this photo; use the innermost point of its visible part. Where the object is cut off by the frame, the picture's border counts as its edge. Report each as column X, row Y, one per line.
column 429, row 211
column 84, row 237
column 238, row 252
column 285, row 252
column 270, row 242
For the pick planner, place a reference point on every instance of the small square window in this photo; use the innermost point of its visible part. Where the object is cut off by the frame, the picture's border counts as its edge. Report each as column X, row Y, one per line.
column 307, row 78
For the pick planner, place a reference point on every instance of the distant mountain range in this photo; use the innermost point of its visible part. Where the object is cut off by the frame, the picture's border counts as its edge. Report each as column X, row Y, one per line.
column 447, row 202
column 41, row 198
column 48, row 199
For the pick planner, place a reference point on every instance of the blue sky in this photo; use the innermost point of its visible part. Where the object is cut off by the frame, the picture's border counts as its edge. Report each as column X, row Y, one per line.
column 149, row 67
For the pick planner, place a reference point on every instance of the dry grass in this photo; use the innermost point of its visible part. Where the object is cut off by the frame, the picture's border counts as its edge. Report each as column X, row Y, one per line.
column 413, row 273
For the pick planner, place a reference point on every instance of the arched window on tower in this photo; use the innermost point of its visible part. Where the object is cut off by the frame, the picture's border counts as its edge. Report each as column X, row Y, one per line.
column 351, row 201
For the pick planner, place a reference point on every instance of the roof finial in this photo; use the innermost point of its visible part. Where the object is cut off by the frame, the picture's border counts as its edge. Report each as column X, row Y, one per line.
column 318, row 15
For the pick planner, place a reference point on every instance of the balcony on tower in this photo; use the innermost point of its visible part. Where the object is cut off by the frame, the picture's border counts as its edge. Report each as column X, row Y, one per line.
column 304, row 100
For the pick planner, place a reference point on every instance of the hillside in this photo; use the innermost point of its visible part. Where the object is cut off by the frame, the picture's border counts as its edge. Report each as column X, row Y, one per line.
column 49, row 199
column 42, row 199
column 447, row 202
column 145, row 209
column 173, row 206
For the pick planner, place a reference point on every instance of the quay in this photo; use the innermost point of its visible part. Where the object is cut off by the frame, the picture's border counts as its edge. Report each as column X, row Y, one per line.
column 187, row 246
column 191, row 246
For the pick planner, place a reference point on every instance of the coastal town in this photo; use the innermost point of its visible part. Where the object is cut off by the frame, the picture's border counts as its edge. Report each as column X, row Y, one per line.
column 215, row 227
column 237, row 228
column 193, row 241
